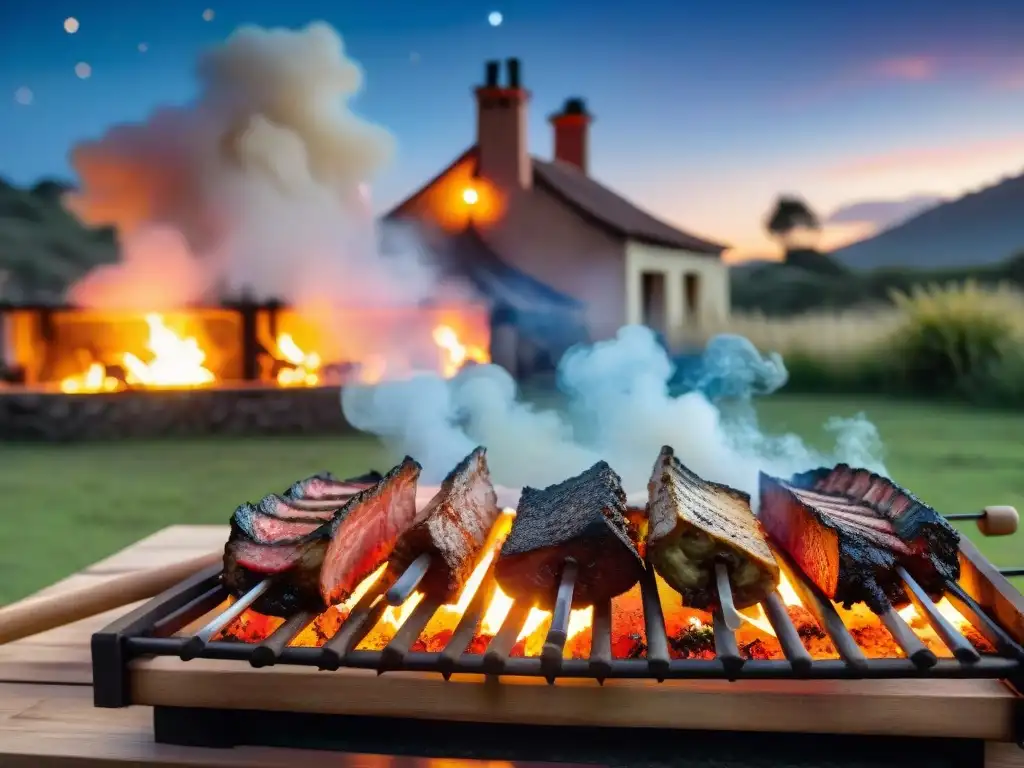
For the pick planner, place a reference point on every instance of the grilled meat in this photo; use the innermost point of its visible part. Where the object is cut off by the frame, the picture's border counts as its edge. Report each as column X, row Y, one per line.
column 843, row 546
column 693, row 524
column 581, row 518
column 366, row 530
column 270, row 521
column 913, row 521
column 324, row 485
column 453, row 527
column 321, row 568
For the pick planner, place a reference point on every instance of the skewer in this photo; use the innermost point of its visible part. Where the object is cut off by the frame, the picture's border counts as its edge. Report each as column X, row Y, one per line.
column 789, row 639
column 992, row 521
column 195, row 644
column 917, row 652
column 601, row 641
column 558, row 633
column 266, row 653
column 406, row 584
column 961, row 648
column 733, row 619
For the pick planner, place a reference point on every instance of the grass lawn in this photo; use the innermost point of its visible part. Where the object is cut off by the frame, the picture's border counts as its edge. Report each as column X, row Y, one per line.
column 68, row 506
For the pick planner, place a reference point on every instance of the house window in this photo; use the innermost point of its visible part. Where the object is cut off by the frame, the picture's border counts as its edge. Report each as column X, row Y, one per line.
column 652, row 300
column 691, row 296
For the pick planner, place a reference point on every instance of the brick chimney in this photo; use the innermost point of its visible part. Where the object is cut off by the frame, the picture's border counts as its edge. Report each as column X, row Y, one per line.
column 501, row 127
column 572, row 128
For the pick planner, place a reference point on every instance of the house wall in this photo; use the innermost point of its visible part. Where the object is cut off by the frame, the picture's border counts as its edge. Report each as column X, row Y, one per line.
column 543, row 237
column 712, row 281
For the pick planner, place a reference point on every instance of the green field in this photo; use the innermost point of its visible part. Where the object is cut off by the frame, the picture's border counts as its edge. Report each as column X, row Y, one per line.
column 67, row 506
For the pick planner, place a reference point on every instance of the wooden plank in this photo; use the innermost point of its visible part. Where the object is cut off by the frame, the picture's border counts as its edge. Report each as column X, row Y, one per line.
column 25, row 662
column 978, row 709
column 57, row 727
column 999, row 755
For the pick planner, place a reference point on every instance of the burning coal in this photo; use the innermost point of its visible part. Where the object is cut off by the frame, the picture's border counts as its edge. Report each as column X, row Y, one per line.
column 258, row 186
column 619, row 408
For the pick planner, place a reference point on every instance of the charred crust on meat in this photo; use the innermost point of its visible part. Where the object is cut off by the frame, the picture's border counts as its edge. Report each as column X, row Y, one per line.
column 583, row 518
column 453, row 527
column 693, row 524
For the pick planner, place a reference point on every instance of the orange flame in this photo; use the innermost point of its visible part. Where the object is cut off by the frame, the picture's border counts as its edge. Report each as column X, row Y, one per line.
column 176, row 362
column 455, row 354
column 305, row 370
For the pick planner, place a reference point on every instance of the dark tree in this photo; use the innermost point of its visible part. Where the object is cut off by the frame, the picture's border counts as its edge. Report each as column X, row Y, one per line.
column 791, row 216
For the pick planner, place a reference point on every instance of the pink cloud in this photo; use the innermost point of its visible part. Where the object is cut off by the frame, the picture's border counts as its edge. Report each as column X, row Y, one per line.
column 924, row 158
column 910, row 68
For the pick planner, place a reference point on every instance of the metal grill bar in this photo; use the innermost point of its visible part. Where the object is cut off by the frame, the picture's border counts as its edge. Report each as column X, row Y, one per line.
column 360, row 621
column 194, row 646
column 823, row 612
column 960, row 647
column 501, row 644
column 600, row 663
column 730, row 661
column 266, row 653
column 789, row 639
column 654, row 626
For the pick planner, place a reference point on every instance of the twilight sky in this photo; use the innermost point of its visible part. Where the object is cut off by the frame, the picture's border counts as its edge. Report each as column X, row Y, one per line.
column 705, row 110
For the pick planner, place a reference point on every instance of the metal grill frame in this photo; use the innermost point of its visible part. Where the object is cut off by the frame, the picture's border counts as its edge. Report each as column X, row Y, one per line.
column 149, row 630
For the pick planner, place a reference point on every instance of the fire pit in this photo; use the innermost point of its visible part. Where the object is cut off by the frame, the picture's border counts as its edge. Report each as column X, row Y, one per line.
column 237, row 368
column 219, row 674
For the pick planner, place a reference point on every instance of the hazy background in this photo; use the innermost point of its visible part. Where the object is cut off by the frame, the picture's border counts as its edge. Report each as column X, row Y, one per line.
column 706, row 111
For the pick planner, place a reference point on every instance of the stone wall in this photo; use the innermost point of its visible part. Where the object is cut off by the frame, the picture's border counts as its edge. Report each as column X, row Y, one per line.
column 58, row 417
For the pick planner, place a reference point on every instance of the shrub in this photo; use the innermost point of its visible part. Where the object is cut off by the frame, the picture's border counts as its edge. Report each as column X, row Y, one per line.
column 956, row 340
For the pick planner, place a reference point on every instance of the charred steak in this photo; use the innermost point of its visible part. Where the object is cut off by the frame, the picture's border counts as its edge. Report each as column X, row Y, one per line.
column 321, row 568
column 693, row 524
column 453, row 527
column 843, row 546
column 324, row 485
column 366, row 529
column 271, row 522
column 581, row 518
column 936, row 542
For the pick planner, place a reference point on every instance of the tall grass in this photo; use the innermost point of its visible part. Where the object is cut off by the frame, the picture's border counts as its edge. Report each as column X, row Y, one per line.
column 959, row 341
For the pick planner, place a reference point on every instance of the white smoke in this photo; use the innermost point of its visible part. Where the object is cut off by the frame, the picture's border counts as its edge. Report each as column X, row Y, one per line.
column 619, row 409
column 258, row 186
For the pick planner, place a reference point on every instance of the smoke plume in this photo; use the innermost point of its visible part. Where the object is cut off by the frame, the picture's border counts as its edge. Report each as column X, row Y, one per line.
column 618, row 407
column 257, row 186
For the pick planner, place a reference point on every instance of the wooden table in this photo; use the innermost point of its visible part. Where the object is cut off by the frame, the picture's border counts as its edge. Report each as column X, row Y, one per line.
column 47, row 718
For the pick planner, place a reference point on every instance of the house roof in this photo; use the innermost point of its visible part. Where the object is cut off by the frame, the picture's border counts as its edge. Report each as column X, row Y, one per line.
column 467, row 254
column 595, row 202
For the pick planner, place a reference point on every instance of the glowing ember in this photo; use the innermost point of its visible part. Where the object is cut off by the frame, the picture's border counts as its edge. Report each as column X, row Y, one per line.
column 304, row 370
column 175, row 362
column 455, row 354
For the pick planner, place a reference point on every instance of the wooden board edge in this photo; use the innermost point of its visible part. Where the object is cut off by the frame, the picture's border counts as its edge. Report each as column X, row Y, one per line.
column 979, row 709
column 983, row 581
column 1003, row 755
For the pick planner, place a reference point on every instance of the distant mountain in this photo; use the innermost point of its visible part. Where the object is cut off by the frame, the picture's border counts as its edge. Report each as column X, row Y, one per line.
column 978, row 229
column 883, row 214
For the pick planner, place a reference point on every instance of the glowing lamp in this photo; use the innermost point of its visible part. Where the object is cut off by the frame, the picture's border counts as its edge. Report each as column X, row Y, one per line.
column 470, row 196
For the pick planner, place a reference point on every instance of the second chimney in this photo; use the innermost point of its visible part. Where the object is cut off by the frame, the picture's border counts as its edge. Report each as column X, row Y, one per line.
column 572, row 128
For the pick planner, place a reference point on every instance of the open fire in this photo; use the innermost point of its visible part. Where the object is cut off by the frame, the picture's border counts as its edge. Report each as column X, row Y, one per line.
column 690, row 633
column 178, row 360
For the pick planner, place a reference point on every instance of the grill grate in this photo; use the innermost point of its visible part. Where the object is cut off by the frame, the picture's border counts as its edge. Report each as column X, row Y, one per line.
column 152, row 629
